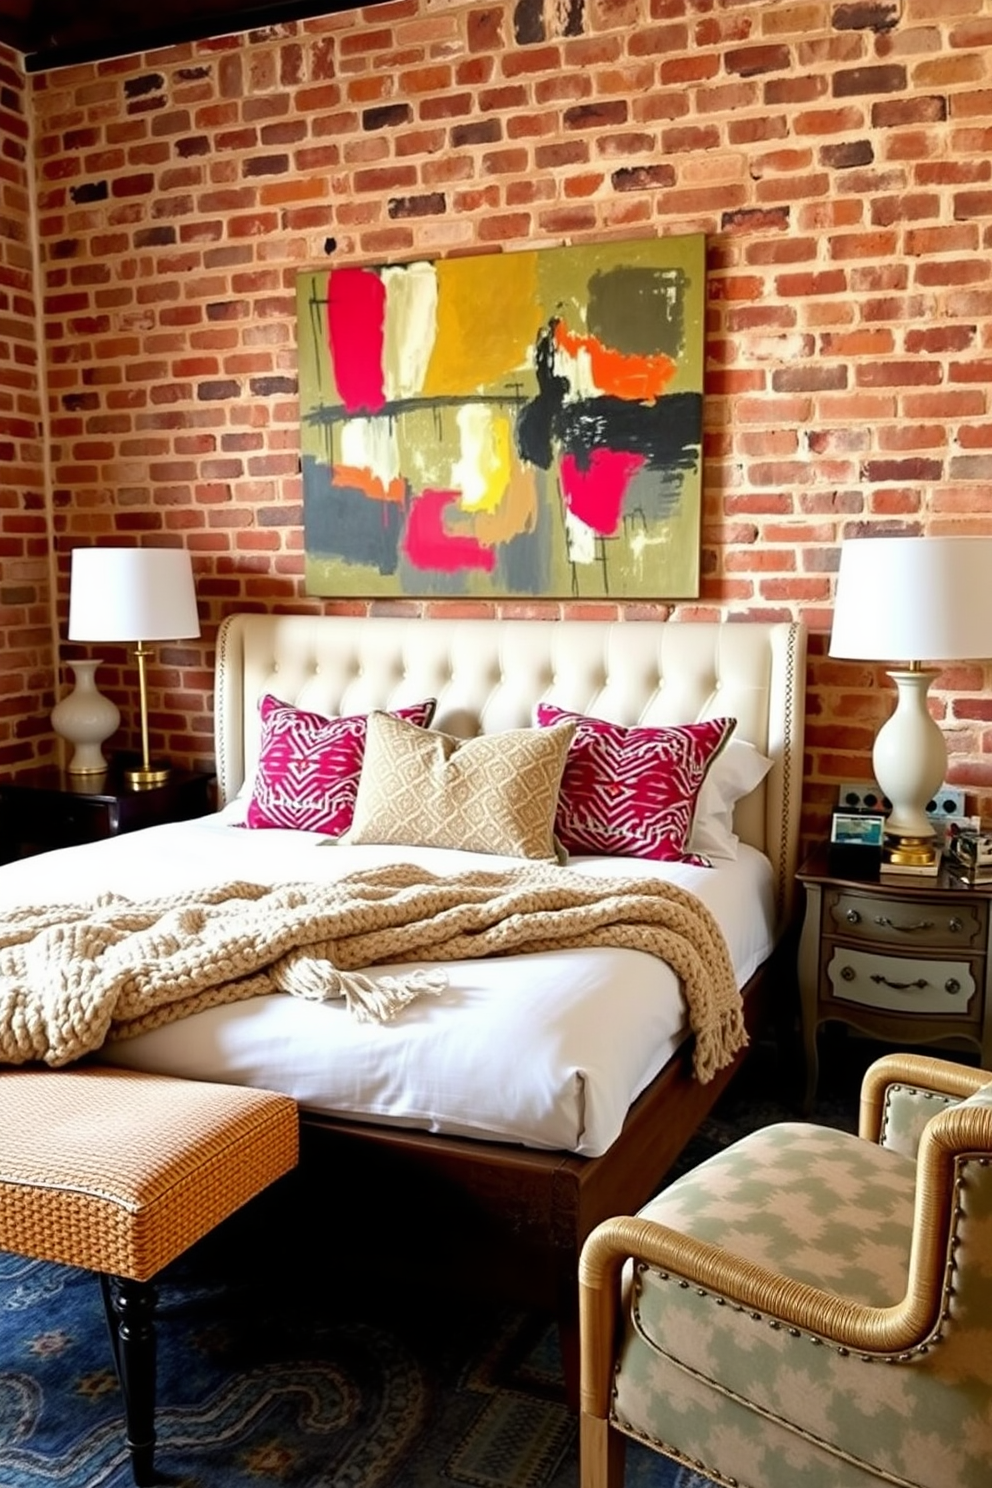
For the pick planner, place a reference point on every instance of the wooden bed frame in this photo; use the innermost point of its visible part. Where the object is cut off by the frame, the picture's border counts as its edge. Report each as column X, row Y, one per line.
column 526, row 1212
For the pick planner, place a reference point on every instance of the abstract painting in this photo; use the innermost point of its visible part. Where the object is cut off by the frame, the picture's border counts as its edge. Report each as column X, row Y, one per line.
column 505, row 425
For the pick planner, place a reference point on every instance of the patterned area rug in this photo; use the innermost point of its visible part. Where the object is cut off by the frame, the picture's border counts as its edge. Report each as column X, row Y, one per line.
column 279, row 1367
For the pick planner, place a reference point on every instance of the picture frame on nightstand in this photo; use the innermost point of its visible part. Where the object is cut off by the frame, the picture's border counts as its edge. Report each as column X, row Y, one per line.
column 856, row 840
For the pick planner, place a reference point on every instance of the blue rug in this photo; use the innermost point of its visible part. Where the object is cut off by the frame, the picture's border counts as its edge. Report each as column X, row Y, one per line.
column 298, row 1395
column 281, row 1367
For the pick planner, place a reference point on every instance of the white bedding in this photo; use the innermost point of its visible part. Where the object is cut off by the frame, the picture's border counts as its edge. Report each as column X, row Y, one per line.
column 546, row 1050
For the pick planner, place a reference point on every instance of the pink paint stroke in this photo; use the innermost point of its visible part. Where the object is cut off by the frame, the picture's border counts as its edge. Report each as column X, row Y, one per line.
column 428, row 544
column 356, row 321
column 595, row 495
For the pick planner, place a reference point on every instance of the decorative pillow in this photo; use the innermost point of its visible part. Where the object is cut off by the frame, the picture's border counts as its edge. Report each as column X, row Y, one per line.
column 735, row 772
column 309, row 765
column 493, row 794
column 631, row 792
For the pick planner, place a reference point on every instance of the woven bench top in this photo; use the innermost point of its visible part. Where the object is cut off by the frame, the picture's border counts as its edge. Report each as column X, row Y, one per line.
column 119, row 1171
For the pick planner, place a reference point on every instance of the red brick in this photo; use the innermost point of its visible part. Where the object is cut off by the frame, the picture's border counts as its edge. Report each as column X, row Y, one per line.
column 598, row 54
column 838, row 212
column 897, row 373
column 717, row 29
column 859, row 343
column 688, row 69
column 828, row 121
column 808, row 284
column 751, row 61
column 951, row 404
column 962, row 172
column 785, row 92
column 755, row 130
column 792, row 188
column 504, row 227
column 653, row 41
column 530, row 60
column 961, row 271
column 689, row 138
column 975, row 371
column 784, row 250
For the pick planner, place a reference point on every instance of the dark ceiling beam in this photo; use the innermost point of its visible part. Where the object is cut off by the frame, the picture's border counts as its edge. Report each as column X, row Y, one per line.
column 83, row 40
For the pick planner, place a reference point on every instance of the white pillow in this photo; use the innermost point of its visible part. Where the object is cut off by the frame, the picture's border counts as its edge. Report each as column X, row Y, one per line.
column 737, row 769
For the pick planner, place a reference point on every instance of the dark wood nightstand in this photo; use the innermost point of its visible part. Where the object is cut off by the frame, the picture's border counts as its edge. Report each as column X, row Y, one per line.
column 899, row 958
column 45, row 808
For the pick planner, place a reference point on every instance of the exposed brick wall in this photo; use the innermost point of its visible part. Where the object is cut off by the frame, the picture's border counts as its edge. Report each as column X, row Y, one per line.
column 836, row 155
column 27, row 660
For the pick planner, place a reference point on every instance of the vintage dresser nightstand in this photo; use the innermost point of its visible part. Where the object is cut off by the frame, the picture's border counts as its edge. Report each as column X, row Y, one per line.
column 47, row 807
column 900, row 958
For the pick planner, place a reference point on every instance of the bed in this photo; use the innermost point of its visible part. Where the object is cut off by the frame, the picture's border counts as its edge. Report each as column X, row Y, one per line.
column 470, row 1149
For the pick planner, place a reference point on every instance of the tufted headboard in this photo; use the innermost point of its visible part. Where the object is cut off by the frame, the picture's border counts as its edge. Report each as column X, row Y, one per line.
column 488, row 675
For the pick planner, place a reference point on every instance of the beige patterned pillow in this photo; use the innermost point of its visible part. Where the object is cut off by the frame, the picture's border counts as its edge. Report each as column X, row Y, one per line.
column 493, row 794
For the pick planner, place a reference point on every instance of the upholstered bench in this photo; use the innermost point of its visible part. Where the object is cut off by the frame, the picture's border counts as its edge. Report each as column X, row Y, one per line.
column 120, row 1172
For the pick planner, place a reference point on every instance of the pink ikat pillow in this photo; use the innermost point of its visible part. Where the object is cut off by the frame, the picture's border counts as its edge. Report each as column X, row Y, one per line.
column 631, row 792
column 309, row 766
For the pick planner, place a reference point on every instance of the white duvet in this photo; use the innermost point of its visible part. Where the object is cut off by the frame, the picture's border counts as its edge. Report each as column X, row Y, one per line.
column 546, row 1050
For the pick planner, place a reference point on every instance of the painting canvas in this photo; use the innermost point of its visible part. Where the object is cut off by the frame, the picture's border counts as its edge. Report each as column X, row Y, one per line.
column 505, row 425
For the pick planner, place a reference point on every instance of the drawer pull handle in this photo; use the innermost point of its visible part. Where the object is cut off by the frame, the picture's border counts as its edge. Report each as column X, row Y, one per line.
column 852, row 917
column 920, row 983
column 888, row 924
column 952, row 985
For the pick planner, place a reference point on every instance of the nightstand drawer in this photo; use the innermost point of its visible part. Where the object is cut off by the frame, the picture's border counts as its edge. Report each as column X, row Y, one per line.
column 912, row 985
column 912, row 924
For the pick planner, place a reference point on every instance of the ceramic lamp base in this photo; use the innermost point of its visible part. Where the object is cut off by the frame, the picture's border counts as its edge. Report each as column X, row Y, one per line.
column 910, row 760
column 85, row 719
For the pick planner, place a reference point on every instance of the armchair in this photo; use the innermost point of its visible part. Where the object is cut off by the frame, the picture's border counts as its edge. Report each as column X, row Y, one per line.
column 807, row 1309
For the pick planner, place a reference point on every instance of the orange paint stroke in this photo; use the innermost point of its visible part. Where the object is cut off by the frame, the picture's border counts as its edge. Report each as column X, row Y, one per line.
column 639, row 379
column 360, row 478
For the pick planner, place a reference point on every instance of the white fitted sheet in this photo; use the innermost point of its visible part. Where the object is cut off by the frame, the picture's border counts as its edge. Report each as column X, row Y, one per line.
column 545, row 1050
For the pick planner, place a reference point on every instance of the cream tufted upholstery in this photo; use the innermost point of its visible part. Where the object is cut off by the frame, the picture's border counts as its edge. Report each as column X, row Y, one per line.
column 488, row 675
column 808, row 1309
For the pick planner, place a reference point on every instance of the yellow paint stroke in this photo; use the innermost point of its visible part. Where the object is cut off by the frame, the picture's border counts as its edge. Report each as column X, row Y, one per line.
column 482, row 471
column 619, row 374
column 488, row 317
column 360, row 478
column 515, row 515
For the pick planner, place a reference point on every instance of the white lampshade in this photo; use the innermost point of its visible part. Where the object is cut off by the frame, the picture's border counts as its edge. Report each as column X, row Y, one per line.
column 913, row 599
column 132, row 594
column 135, row 595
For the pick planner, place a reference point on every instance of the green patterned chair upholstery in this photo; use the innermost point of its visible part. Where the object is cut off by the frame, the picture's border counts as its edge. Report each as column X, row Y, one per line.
column 809, row 1308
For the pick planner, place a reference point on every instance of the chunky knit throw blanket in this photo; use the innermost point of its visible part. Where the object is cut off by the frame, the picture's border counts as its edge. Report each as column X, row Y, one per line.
column 72, row 974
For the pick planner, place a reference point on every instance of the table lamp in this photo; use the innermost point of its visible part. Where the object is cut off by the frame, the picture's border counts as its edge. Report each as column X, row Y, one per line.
column 134, row 595
column 912, row 599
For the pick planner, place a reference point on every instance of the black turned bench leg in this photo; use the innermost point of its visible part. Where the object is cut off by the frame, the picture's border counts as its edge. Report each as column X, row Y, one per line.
column 130, row 1309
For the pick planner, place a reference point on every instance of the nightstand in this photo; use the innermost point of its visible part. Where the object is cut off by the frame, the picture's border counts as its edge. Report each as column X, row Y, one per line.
column 45, row 808
column 898, row 958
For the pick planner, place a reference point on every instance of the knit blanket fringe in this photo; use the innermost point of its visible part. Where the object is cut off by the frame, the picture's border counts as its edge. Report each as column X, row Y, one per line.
column 72, row 975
